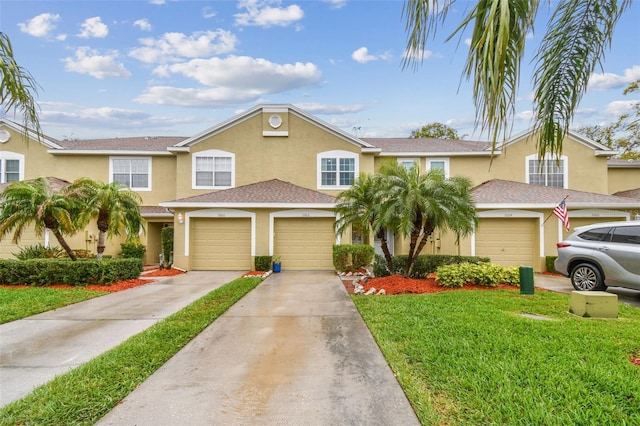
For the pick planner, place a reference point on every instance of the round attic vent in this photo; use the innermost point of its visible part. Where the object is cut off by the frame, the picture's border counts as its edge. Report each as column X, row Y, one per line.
column 275, row 121
column 4, row 136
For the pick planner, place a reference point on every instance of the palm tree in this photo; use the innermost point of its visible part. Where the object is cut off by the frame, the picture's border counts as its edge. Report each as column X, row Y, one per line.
column 17, row 87
column 359, row 207
column 578, row 33
column 114, row 206
column 35, row 202
column 417, row 204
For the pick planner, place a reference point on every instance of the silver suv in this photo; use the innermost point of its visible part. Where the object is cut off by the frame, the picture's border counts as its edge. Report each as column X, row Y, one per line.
column 600, row 255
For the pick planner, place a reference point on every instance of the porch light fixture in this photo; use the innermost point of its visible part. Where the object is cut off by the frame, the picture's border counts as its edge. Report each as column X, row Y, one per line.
column 180, row 218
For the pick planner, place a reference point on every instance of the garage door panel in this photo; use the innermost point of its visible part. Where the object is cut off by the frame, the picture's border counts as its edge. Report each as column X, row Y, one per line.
column 220, row 244
column 305, row 243
column 507, row 242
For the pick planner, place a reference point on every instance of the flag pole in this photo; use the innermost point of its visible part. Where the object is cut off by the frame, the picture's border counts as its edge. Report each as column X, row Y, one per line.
column 552, row 210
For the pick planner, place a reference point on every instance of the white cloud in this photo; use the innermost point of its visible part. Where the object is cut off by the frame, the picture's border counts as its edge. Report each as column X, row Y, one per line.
column 158, row 2
column 93, row 28
column 417, row 54
column 41, row 25
column 260, row 13
column 618, row 108
column 89, row 61
column 196, row 97
column 336, row 4
column 316, row 108
column 362, row 55
column 606, row 81
column 208, row 12
column 143, row 24
column 172, row 47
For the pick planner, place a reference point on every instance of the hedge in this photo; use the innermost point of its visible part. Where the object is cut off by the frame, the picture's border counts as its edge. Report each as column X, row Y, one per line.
column 352, row 257
column 424, row 264
column 41, row 272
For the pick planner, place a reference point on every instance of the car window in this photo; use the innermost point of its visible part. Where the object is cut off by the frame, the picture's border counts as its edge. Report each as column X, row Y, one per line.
column 597, row 234
column 627, row 235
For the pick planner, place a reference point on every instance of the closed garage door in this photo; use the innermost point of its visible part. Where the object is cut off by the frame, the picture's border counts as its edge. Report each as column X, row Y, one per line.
column 220, row 244
column 305, row 243
column 508, row 242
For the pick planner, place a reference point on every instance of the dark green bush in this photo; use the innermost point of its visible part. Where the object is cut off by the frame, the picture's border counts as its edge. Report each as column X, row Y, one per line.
column 167, row 242
column 42, row 272
column 262, row 263
column 39, row 251
column 549, row 263
column 352, row 257
column 132, row 250
column 424, row 265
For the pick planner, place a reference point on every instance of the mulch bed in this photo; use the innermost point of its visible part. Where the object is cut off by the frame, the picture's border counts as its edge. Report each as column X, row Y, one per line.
column 398, row 284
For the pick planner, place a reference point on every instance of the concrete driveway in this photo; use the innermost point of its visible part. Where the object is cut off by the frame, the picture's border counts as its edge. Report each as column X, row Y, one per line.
column 293, row 351
column 36, row 349
column 563, row 285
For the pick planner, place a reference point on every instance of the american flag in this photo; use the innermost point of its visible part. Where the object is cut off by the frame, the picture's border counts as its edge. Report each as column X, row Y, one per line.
column 562, row 213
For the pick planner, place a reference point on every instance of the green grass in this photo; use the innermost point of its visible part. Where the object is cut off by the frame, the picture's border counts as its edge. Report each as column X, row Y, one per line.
column 87, row 393
column 21, row 302
column 470, row 357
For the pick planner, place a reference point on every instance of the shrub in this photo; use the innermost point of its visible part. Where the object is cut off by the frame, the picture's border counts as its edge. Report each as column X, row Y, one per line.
column 485, row 274
column 262, row 263
column 424, row 265
column 39, row 251
column 132, row 250
column 167, row 242
column 352, row 257
column 549, row 263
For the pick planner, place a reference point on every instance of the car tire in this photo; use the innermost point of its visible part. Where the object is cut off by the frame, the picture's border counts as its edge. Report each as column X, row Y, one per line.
column 587, row 277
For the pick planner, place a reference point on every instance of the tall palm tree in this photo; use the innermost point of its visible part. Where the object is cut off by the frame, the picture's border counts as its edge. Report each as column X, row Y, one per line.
column 578, row 34
column 417, row 204
column 36, row 203
column 17, row 87
column 114, row 206
column 359, row 207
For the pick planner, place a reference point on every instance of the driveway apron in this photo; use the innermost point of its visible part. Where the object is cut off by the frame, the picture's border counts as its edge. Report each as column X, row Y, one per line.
column 293, row 351
column 36, row 349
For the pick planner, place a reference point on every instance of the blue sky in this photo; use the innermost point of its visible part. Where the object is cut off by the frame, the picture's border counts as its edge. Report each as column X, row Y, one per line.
column 176, row 68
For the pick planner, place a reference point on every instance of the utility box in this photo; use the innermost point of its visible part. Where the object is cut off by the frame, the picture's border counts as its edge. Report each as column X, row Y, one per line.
column 526, row 280
column 594, row 304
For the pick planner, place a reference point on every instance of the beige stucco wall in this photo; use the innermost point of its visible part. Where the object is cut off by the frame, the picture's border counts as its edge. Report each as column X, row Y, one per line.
column 623, row 179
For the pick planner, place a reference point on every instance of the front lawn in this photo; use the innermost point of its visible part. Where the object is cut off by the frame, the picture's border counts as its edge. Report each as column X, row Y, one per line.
column 21, row 302
column 471, row 357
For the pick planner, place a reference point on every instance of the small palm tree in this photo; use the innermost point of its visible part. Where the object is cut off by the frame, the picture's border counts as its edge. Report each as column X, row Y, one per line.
column 113, row 205
column 416, row 204
column 36, row 203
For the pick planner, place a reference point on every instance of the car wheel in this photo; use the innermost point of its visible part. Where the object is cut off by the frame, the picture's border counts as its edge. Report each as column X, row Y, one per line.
column 586, row 277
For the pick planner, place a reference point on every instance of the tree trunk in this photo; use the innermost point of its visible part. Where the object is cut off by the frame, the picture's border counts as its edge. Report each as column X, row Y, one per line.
column 427, row 231
column 101, row 245
column 382, row 235
column 103, row 227
column 63, row 243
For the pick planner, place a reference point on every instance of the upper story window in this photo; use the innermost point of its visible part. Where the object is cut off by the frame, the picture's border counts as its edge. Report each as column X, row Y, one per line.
column 548, row 171
column 440, row 164
column 213, row 169
column 132, row 172
column 408, row 163
column 337, row 169
column 11, row 167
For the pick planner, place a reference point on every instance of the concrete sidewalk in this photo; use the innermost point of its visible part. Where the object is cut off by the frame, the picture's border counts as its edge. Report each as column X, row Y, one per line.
column 293, row 351
column 36, row 349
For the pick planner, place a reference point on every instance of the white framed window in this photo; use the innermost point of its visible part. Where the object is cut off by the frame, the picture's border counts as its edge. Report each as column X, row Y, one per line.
column 11, row 166
column 408, row 163
column 337, row 169
column 548, row 171
column 439, row 163
column 213, row 169
column 132, row 172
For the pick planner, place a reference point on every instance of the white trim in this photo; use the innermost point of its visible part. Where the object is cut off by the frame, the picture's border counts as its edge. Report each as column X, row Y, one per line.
column 511, row 214
column 213, row 153
column 114, row 152
column 405, row 160
column 438, row 160
column 10, row 155
column 149, row 171
column 218, row 214
column 304, row 213
column 30, row 133
column 268, row 133
column 428, row 154
column 548, row 157
column 337, row 155
column 178, row 204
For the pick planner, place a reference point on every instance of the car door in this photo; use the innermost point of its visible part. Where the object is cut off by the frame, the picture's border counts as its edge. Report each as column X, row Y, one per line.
column 625, row 249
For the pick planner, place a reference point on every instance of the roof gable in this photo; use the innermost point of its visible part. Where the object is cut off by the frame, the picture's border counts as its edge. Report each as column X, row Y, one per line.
column 598, row 148
column 44, row 140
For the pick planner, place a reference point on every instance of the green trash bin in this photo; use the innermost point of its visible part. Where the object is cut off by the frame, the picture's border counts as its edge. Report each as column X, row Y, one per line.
column 526, row 280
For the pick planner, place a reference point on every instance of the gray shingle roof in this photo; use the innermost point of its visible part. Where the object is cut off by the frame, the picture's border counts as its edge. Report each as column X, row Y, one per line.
column 409, row 145
column 155, row 211
column 147, row 143
column 498, row 191
column 56, row 183
column 272, row 191
column 632, row 193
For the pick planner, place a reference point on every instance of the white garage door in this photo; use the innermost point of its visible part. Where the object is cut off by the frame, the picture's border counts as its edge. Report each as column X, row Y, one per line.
column 305, row 243
column 220, row 244
column 507, row 242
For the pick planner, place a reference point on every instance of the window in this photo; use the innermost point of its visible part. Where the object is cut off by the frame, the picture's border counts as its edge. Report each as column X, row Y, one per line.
column 439, row 164
column 408, row 163
column 213, row 169
column 337, row 169
column 547, row 172
column 627, row 235
column 11, row 167
column 134, row 173
column 597, row 234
